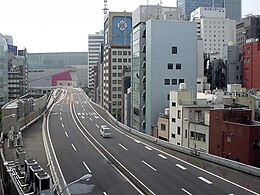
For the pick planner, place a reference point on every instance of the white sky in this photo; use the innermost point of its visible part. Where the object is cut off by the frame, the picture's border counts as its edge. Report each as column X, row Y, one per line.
column 64, row 25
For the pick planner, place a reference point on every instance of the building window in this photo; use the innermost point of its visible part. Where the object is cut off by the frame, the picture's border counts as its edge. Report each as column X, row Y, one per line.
column 170, row 65
column 129, row 53
column 174, row 81
column 163, row 127
column 178, row 66
column 114, row 81
column 119, row 67
column 237, row 67
column 174, row 50
column 173, row 120
column 186, row 133
column 119, row 96
column 181, row 81
column 129, row 60
column 125, row 60
column 114, row 96
column 173, row 104
column 119, row 52
column 256, row 145
column 119, row 81
column 168, row 96
column 114, row 74
column 114, row 59
column 119, row 88
column 179, row 114
column 173, row 135
column 166, row 81
column 114, row 53
column 114, row 103
column 114, row 67
column 114, row 88
column 124, row 53
column 119, row 103
column 119, row 60
column 178, row 130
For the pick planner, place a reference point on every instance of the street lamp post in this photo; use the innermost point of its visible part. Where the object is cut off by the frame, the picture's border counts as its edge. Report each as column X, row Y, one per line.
column 84, row 177
column 6, row 122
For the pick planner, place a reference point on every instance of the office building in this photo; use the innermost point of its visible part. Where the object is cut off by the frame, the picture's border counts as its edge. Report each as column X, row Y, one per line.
column 17, row 72
column 247, row 28
column 94, row 46
column 3, row 71
column 117, row 56
column 215, row 29
column 233, row 7
column 251, row 65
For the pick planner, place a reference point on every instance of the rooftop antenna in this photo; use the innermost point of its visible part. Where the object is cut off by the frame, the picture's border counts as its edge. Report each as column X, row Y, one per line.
column 105, row 9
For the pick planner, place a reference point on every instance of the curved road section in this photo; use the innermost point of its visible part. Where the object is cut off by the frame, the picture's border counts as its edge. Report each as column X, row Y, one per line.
column 121, row 164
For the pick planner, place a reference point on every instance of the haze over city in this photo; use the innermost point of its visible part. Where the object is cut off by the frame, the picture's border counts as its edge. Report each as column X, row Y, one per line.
column 64, row 25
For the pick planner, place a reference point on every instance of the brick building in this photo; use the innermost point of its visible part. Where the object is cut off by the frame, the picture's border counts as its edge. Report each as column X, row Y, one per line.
column 251, row 64
column 233, row 135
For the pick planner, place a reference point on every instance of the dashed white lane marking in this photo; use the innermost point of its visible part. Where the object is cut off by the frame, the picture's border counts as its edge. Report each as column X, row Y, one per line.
column 137, row 141
column 162, row 156
column 148, row 165
column 205, row 180
column 148, row 148
column 186, row 191
column 97, row 125
column 60, row 118
column 90, row 119
column 66, row 134
column 123, row 147
column 104, row 193
column 83, row 113
column 82, row 117
column 62, row 125
column 60, row 113
column 79, row 113
column 86, row 113
column 181, row 167
column 87, row 167
column 96, row 116
column 73, row 147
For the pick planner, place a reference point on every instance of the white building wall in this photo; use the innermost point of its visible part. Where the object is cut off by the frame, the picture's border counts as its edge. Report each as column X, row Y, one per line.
column 215, row 29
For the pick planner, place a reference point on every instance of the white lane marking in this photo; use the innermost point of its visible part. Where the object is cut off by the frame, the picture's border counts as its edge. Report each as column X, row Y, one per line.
column 148, row 148
column 96, row 116
column 62, row 125
column 186, row 191
column 83, row 113
column 84, row 109
column 164, row 157
column 82, row 117
column 123, row 147
column 87, row 167
column 79, row 113
column 104, row 193
column 205, row 180
column 148, row 165
column 97, row 125
column 137, row 141
column 73, row 147
column 90, row 119
column 61, row 118
column 181, row 167
column 86, row 113
column 66, row 134
column 60, row 113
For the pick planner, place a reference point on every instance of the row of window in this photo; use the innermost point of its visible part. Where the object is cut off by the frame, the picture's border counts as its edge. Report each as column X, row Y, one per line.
column 116, row 88
column 116, row 81
column 125, row 53
column 173, row 81
column 117, row 74
column 117, row 96
column 119, row 103
column 119, row 67
column 177, row 66
column 121, row 60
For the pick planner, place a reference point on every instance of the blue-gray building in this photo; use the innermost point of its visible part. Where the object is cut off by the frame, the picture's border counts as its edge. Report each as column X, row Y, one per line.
column 233, row 7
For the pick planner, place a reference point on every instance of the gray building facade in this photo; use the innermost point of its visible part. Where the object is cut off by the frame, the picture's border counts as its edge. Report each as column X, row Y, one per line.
column 138, row 70
column 171, row 59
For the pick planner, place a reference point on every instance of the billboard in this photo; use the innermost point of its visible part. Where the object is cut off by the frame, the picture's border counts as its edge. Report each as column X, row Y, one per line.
column 121, row 30
column 12, row 49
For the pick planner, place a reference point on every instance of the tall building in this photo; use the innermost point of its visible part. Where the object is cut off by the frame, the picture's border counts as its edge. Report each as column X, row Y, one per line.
column 94, row 46
column 215, row 29
column 233, row 7
column 251, row 65
column 139, row 60
column 117, row 56
column 160, row 50
column 247, row 28
column 3, row 71
column 17, row 72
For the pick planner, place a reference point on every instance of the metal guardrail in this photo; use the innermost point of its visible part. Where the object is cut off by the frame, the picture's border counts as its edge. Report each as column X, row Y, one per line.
column 202, row 155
